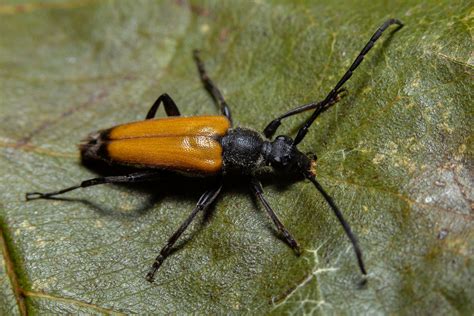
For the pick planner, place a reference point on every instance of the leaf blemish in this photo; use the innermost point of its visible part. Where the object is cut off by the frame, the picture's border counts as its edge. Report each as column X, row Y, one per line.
column 378, row 158
column 302, row 301
column 204, row 28
column 41, row 243
column 27, row 226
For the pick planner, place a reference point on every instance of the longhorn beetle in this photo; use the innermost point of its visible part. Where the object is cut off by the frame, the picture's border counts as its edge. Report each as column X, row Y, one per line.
column 209, row 146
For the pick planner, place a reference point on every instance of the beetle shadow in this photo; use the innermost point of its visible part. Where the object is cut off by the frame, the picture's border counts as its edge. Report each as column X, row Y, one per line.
column 175, row 186
column 168, row 184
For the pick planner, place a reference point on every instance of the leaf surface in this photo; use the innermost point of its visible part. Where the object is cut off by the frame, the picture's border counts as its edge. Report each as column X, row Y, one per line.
column 395, row 153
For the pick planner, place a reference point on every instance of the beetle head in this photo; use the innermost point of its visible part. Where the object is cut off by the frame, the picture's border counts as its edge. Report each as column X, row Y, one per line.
column 284, row 156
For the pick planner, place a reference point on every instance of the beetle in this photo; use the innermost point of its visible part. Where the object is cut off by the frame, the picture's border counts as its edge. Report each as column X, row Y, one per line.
column 210, row 146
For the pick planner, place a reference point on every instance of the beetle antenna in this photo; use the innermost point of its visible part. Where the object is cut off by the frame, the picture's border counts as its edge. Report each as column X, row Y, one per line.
column 337, row 88
column 343, row 222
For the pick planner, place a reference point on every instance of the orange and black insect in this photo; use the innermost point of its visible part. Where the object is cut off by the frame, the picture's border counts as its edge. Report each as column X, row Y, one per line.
column 209, row 146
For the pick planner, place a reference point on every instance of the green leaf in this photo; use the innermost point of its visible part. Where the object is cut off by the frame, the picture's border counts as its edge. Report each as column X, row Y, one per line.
column 396, row 154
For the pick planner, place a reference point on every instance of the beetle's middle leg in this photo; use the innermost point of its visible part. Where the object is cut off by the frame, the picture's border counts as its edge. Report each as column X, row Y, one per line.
column 257, row 189
column 211, row 87
column 171, row 108
column 204, row 202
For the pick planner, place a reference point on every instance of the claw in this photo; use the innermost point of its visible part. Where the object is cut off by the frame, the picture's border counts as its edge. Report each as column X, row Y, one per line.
column 33, row 196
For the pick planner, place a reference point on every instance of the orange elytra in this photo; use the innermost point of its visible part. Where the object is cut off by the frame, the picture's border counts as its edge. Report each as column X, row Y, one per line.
column 187, row 144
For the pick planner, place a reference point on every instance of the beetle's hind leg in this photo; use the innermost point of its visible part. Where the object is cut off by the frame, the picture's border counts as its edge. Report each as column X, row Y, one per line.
column 258, row 191
column 129, row 178
column 171, row 108
column 204, row 202
column 211, row 87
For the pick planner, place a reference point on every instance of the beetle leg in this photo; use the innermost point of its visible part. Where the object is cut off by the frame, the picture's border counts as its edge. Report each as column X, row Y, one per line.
column 211, row 87
column 170, row 107
column 258, row 191
column 204, row 202
column 129, row 178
